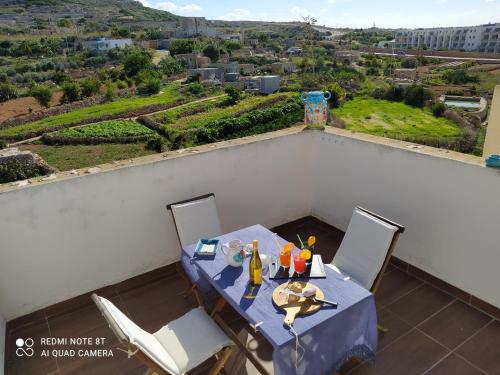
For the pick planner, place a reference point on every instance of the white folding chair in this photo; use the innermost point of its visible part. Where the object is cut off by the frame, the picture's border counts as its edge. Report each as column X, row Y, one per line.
column 367, row 247
column 176, row 348
column 195, row 218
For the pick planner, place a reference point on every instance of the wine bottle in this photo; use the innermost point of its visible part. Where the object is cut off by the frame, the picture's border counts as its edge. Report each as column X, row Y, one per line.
column 255, row 266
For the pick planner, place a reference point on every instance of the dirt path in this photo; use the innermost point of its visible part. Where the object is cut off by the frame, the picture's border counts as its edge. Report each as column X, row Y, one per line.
column 125, row 118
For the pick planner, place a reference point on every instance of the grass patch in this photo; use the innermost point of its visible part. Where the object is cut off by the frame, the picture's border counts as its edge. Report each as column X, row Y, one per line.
column 395, row 120
column 65, row 158
column 118, row 130
column 170, row 94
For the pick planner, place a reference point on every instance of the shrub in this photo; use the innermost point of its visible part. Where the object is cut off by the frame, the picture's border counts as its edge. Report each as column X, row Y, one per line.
column 90, row 86
column 337, row 94
column 409, row 63
column 379, row 93
column 460, row 77
column 3, row 144
column 150, row 86
column 7, row 92
column 109, row 96
column 395, row 94
column 438, row 109
column 42, row 94
column 195, row 88
column 180, row 46
column 233, row 93
column 71, row 92
column 156, row 143
column 171, row 66
column 372, row 71
column 417, row 95
column 135, row 62
column 211, row 51
column 14, row 170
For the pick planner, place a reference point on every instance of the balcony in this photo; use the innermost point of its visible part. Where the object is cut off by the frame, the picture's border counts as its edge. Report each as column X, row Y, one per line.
column 110, row 232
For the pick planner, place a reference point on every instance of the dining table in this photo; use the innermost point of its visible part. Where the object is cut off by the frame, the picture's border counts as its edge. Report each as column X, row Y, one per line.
column 318, row 343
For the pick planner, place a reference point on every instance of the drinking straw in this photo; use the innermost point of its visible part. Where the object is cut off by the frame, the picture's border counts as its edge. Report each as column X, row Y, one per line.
column 301, row 243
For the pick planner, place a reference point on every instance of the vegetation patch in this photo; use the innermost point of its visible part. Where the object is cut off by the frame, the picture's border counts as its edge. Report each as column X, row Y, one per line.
column 396, row 120
column 115, row 131
column 107, row 111
column 69, row 157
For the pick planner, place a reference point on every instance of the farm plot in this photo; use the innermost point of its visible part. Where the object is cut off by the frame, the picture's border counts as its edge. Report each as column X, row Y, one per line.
column 114, row 131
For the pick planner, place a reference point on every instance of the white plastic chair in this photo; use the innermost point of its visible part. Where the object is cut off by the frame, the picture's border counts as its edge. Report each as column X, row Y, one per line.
column 176, row 348
column 366, row 248
column 194, row 219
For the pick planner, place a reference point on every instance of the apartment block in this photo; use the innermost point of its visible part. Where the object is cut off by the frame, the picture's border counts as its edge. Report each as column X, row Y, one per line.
column 483, row 38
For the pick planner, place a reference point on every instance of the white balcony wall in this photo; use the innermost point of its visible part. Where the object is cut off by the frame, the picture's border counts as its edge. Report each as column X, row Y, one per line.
column 66, row 238
column 450, row 208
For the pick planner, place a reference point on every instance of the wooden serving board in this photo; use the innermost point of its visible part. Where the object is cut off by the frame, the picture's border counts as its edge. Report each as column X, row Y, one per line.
column 294, row 306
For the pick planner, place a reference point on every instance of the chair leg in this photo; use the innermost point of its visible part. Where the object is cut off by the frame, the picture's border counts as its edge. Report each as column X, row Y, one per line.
column 382, row 329
column 221, row 361
column 230, row 333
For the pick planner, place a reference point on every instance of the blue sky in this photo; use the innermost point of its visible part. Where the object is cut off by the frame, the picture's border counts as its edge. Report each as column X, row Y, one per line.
column 343, row 13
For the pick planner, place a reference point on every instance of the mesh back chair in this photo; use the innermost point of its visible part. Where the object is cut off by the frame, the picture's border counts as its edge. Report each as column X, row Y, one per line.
column 176, row 348
column 195, row 218
column 367, row 248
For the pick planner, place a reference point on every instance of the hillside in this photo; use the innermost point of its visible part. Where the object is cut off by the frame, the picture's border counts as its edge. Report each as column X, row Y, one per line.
column 49, row 16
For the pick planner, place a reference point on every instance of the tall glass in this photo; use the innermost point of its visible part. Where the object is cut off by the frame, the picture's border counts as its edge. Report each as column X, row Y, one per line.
column 285, row 258
column 299, row 264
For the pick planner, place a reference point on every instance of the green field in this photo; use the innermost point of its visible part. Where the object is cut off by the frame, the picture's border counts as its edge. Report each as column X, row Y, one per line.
column 173, row 114
column 169, row 95
column 395, row 120
column 105, row 129
column 245, row 105
column 65, row 158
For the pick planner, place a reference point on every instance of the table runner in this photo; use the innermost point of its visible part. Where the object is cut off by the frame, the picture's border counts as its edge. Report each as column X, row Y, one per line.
column 330, row 336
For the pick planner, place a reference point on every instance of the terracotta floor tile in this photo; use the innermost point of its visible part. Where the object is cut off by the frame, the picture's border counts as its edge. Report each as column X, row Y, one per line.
column 483, row 349
column 396, row 328
column 419, row 304
column 412, row 354
column 454, row 365
column 455, row 324
column 394, row 285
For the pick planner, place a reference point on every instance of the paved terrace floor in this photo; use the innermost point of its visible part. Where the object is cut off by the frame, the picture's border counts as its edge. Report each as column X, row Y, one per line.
column 430, row 332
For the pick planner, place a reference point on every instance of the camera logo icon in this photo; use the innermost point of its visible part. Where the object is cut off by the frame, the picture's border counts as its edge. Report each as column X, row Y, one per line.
column 25, row 347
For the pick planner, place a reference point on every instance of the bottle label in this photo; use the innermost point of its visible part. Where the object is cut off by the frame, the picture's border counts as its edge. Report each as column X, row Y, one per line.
column 257, row 276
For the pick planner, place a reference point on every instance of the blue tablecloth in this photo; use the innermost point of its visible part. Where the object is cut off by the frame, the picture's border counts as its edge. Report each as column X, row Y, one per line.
column 330, row 336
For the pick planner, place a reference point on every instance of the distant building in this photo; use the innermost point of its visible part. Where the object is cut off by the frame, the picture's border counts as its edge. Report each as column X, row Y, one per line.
column 262, row 84
column 194, row 26
column 235, row 37
column 103, row 44
column 483, row 38
column 206, row 74
column 351, row 56
column 193, row 60
column 232, row 67
column 247, row 69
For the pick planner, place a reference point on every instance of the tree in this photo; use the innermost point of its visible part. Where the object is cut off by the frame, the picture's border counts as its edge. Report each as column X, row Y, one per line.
column 233, row 93
column 417, row 95
column 136, row 61
column 337, row 94
column 90, row 86
column 42, row 94
column 179, row 46
column 63, row 22
column 212, row 52
column 171, row 66
column 438, row 109
column 7, row 92
column 71, row 92
column 308, row 27
column 152, row 34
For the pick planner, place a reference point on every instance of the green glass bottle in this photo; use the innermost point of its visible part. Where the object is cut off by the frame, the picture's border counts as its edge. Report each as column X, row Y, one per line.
column 255, row 265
